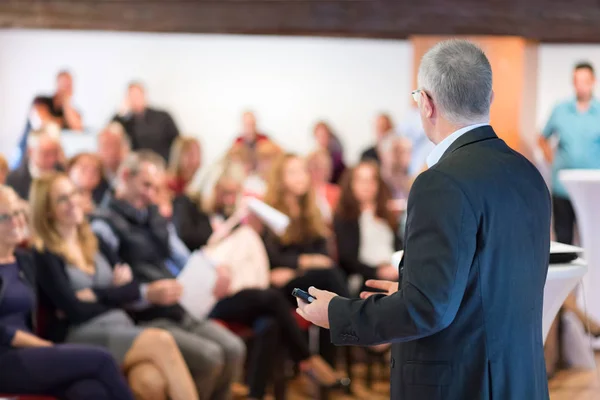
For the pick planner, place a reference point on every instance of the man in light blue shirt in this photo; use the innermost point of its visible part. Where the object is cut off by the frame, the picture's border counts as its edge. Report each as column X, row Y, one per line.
column 575, row 123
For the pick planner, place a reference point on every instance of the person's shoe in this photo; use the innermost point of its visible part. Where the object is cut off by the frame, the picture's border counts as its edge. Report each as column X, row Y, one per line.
column 322, row 373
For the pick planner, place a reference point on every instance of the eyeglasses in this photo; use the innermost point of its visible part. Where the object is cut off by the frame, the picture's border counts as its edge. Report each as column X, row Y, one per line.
column 416, row 93
column 5, row 218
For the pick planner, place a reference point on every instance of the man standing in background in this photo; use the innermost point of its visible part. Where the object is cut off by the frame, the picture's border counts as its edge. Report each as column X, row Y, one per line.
column 147, row 128
column 57, row 109
column 576, row 125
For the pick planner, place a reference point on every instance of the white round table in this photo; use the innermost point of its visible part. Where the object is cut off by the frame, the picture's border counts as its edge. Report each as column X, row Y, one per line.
column 583, row 187
column 560, row 281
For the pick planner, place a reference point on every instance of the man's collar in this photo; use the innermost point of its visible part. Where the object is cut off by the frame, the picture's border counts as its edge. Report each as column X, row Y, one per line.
column 439, row 150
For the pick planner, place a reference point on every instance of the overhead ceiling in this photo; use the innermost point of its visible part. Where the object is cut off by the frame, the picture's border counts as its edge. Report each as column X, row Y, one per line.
column 544, row 20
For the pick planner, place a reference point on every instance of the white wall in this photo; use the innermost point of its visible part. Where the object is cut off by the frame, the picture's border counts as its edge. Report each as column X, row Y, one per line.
column 206, row 81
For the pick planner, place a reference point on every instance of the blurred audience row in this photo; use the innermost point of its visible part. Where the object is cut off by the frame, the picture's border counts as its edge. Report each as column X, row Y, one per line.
column 91, row 248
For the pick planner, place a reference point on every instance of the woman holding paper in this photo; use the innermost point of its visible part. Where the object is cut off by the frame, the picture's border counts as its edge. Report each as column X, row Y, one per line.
column 299, row 257
column 85, row 295
column 225, row 239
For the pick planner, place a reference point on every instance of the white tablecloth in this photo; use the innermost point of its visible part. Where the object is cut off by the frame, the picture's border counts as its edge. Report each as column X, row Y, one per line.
column 584, row 189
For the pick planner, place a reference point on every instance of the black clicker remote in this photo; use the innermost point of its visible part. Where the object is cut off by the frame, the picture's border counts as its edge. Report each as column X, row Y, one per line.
column 302, row 295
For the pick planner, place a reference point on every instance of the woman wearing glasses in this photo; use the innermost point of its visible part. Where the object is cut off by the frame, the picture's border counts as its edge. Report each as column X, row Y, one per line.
column 37, row 367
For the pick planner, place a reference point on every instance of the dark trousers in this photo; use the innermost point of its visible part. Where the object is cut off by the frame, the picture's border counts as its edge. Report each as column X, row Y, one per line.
column 330, row 279
column 70, row 372
column 564, row 219
column 269, row 314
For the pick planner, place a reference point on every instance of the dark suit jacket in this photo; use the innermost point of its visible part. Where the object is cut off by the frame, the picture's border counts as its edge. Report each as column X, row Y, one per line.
column 20, row 180
column 27, row 266
column 347, row 236
column 466, row 322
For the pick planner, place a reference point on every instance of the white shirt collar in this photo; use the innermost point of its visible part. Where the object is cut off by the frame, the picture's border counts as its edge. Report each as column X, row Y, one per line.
column 439, row 150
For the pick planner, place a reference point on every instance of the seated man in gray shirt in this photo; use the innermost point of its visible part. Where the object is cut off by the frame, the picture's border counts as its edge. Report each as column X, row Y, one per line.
column 130, row 224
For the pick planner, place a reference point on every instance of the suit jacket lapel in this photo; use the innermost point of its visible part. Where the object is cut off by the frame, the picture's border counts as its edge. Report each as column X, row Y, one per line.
column 476, row 135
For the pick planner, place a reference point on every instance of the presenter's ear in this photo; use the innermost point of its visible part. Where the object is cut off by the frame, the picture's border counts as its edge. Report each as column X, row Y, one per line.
column 492, row 98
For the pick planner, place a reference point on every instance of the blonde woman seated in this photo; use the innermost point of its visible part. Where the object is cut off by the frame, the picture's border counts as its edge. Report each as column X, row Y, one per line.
column 86, row 295
column 220, row 231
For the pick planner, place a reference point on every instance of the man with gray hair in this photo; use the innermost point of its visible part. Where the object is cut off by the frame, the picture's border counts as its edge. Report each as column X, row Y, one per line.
column 130, row 226
column 465, row 319
column 44, row 154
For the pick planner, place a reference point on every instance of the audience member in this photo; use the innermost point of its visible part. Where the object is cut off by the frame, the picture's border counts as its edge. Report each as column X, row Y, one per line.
column 184, row 161
column 147, row 128
column 411, row 128
column 328, row 141
column 44, row 152
column 248, row 299
column 326, row 194
column 266, row 153
column 133, row 228
column 574, row 123
column 300, row 258
column 395, row 164
column 383, row 128
column 32, row 365
column 365, row 228
column 4, row 170
column 250, row 136
column 85, row 171
column 113, row 147
column 92, row 295
column 57, row 109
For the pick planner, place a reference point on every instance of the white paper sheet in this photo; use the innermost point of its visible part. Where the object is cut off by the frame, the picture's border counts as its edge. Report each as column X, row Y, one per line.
column 274, row 219
column 198, row 279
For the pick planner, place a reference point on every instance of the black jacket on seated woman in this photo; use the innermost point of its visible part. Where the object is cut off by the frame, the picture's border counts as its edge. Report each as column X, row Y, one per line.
column 59, row 299
column 35, row 365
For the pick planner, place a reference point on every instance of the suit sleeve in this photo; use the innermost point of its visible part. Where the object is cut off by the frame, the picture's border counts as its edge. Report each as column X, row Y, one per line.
column 439, row 251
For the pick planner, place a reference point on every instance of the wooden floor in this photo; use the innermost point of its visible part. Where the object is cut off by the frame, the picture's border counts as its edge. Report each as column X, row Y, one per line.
column 576, row 385
column 565, row 385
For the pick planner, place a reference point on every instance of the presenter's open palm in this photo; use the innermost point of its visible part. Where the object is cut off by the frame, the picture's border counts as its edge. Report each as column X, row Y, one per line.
column 384, row 287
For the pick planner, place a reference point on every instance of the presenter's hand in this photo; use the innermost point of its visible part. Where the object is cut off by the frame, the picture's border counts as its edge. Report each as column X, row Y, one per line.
column 316, row 312
column 388, row 286
column 387, row 273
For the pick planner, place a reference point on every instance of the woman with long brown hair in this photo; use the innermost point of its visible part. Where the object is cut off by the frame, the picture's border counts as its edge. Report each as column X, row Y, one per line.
column 86, row 296
column 299, row 258
column 364, row 226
